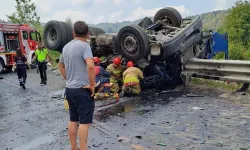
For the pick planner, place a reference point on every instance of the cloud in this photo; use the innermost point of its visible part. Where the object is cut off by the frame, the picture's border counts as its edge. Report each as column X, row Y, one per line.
column 137, row 2
column 77, row 2
column 100, row 1
column 44, row 6
column 116, row 16
column 139, row 12
column 74, row 16
column 117, row 2
column 223, row 4
column 100, row 19
column 7, row 8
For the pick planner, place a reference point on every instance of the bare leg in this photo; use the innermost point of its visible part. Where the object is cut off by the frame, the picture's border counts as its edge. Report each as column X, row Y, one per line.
column 83, row 135
column 72, row 131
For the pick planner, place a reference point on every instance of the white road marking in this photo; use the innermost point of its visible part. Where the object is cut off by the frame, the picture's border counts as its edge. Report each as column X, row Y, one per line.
column 18, row 86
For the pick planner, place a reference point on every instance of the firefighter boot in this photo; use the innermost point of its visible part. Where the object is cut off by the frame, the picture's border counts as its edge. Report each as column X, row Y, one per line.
column 244, row 88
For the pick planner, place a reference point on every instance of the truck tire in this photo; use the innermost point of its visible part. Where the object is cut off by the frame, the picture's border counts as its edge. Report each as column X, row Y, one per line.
column 95, row 31
column 1, row 66
column 173, row 15
column 132, row 42
column 57, row 35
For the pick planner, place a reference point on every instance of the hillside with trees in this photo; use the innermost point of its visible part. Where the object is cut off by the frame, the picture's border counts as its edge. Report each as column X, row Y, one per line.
column 211, row 20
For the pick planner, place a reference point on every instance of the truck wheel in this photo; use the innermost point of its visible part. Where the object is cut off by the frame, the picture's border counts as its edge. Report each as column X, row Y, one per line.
column 56, row 35
column 132, row 42
column 1, row 66
column 95, row 31
column 173, row 16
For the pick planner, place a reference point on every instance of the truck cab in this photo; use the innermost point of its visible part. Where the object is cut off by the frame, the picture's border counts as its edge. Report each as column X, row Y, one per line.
column 14, row 36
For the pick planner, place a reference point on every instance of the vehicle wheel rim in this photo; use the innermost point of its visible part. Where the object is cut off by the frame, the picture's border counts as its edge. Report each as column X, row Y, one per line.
column 167, row 21
column 52, row 36
column 130, row 44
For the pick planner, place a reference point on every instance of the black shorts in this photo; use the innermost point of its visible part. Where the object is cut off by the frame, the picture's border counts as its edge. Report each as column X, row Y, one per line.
column 81, row 105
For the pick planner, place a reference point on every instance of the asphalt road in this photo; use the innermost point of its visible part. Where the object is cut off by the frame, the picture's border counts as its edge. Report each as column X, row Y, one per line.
column 33, row 120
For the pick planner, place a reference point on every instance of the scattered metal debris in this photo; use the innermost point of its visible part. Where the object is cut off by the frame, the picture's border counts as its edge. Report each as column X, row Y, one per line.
column 97, row 145
column 161, row 144
column 198, row 108
column 193, row 95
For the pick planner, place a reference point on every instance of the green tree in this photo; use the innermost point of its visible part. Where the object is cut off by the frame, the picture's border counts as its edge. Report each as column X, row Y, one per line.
column 237, row 25
column 69, row 21
column 25, row 13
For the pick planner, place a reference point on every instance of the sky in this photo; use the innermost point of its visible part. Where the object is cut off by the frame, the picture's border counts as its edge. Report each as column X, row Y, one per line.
column 102, row 11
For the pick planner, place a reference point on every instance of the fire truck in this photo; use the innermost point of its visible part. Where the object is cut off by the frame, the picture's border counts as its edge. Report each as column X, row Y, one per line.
column 13, row 36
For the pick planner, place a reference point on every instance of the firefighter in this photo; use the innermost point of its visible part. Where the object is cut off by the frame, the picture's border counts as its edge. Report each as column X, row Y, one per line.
column 116, row 70
column 20, row 63
column 131, row 80
column 42, row 55
column 102, row 76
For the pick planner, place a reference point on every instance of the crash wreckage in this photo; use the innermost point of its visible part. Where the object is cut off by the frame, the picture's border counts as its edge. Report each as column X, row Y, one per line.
column 167, row 48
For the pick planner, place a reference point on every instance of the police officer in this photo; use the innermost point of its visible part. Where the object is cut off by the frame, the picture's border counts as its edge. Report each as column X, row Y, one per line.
column 41, row 55
column 102, row 76
column 116, row 70
column 131, row 80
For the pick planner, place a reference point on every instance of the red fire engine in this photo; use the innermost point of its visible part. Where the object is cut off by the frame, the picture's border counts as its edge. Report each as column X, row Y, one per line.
column 13, row 36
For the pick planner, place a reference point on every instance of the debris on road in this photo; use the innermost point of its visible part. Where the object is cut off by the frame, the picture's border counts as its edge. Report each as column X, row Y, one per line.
column 97, row 145
column 193, row 95
column 138, row 147
column 123, row 139
column 162, row 144
column 42, row 117
column 138, row 137
column 198, row 108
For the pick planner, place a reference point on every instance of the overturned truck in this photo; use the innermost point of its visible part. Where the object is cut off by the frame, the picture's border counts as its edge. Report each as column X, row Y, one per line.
column 160, row 47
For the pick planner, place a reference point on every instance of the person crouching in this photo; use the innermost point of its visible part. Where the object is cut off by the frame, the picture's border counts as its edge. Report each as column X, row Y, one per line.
column 102, row 77
column 131, row 80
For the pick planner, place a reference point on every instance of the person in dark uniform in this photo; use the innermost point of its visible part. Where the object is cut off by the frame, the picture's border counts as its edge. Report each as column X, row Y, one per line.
column 20, row 62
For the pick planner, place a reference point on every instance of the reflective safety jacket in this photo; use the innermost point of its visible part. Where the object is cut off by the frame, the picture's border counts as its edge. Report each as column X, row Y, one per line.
column 116, row 73
column 41, row 54
column 132, row 74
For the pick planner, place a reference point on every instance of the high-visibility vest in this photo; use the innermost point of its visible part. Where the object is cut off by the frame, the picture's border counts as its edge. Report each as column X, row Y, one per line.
column 41, row 55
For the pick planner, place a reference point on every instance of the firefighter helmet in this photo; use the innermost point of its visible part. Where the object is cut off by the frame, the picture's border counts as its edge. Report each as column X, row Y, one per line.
column 117, row 61
column 97, row 60
column 130, row 64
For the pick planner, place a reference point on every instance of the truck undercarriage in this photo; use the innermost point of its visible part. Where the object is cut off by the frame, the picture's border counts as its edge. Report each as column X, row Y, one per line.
column 160, row 47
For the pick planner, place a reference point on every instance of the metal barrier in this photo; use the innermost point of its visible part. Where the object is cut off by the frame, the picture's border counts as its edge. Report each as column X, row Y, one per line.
column 224, row 70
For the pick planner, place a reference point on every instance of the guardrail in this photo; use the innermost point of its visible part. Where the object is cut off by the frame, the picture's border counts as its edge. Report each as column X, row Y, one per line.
column 224, row 70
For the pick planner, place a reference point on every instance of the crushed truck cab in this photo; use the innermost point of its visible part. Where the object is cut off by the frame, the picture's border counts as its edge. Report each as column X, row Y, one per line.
column 160, row 47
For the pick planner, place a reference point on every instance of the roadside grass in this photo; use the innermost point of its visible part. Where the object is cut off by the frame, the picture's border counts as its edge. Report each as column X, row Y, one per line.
column 216, row 84
column 54, row 55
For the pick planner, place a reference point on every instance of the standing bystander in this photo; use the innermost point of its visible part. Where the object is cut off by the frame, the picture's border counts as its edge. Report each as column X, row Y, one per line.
column 77, row 68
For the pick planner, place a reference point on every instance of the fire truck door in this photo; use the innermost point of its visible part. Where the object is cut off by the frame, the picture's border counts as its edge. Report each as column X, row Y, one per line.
column 25, row 42
column 1, row 42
